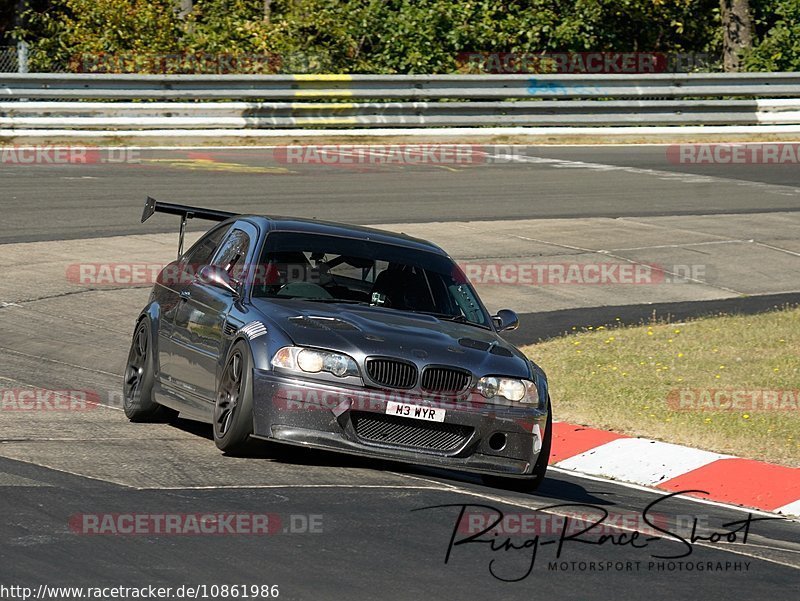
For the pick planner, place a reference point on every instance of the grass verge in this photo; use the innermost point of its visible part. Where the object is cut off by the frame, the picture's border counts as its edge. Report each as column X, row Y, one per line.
column 728, row 383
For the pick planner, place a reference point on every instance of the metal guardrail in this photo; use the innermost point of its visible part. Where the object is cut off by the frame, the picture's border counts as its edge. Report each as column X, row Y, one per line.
column 272, row 101
column 238, row 115
column 375, row 87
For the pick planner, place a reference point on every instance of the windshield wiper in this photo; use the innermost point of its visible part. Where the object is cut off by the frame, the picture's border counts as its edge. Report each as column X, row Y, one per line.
column 448, row 317
column 345, row 301
column 455, row 318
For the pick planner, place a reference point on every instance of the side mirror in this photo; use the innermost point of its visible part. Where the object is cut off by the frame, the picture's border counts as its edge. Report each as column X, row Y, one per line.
column 219, row 278
column 505, row 320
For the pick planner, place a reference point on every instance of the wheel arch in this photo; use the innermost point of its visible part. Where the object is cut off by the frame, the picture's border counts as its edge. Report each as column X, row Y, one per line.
column 151, row 312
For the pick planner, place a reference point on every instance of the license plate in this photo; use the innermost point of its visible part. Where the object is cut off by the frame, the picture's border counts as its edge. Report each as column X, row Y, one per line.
column 431, row 414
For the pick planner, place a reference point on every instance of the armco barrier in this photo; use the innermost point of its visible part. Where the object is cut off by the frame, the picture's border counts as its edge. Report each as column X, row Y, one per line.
column 229, row 102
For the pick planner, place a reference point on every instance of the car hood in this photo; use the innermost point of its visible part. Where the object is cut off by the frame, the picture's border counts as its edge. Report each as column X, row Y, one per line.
column 362, row 331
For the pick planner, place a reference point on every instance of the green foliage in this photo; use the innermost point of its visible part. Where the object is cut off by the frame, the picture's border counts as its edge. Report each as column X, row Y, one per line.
column 425, row 36
column 71, row 33
column 778, row 29
column 377, row 36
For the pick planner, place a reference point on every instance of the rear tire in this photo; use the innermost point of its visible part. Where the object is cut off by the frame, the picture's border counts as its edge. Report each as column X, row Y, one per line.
column 233, row 408
column 137, row 386
column 529, row 483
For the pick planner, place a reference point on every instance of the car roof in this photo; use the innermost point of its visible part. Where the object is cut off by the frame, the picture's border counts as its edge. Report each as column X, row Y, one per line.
column 331, row 228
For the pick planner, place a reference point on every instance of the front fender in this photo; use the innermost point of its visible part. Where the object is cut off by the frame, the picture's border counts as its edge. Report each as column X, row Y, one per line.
column 540, row 377
column 263, row 340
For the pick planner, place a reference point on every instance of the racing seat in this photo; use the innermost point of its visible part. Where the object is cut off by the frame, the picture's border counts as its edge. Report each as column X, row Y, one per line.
column 405, row 287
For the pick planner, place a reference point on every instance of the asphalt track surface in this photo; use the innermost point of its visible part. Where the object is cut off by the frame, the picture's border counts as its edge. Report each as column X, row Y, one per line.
column 105, row 198
column 376, row 541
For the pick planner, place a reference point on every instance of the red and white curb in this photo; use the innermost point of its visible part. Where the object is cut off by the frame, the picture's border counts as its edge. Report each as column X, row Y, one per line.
column 672, row 467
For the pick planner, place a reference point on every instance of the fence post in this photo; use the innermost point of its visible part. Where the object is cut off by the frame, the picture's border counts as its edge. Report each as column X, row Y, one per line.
column 22, row 56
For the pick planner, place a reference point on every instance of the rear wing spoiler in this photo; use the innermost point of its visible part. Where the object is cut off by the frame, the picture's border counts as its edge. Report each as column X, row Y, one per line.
column 185, row 212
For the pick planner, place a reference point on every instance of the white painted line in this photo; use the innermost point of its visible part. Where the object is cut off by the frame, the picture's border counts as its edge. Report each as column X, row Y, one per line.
column 76, row 439
column 717, row 547
column 687, row 130
column 686, row 245
column 367, row 144
column 792, row 509
column 267, row 486
column 63, row 471
column 778, row 248
column 639, row 487
column 12, row 480
column 640, row 460
column 683, row 177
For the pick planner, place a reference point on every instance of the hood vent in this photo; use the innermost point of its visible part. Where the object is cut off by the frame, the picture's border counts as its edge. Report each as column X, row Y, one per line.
column 323, row 323
column 493, row 348
column 474, row 344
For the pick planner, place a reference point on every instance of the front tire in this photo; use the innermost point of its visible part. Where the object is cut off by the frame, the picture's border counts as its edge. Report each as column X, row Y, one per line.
column 137, row 387
column 233, row 409
column 529, row 483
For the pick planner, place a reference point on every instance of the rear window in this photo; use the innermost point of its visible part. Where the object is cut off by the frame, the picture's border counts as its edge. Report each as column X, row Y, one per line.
column 202, row 251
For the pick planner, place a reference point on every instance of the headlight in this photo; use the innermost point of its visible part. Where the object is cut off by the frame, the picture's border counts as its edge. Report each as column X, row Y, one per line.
column 313, row 361
column 310, row 361
column 520, row 391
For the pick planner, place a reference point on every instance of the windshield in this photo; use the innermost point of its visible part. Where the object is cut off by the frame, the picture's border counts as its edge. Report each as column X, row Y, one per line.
column 334, row 269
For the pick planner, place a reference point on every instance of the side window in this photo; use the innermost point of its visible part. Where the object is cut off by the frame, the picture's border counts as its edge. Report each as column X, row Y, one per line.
column 232, row 254
column 200, row 254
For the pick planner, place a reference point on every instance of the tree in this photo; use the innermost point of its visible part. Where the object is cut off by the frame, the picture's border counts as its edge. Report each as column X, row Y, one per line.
column 778, row 35
column 398, row 36
column 737, row 32
column 184, row 8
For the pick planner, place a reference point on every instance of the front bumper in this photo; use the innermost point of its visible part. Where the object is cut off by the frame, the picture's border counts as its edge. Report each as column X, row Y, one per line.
column 475, row 436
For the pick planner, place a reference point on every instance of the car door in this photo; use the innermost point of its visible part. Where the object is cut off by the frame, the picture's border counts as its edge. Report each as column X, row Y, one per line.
column 170, row 295
column 198, row 333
